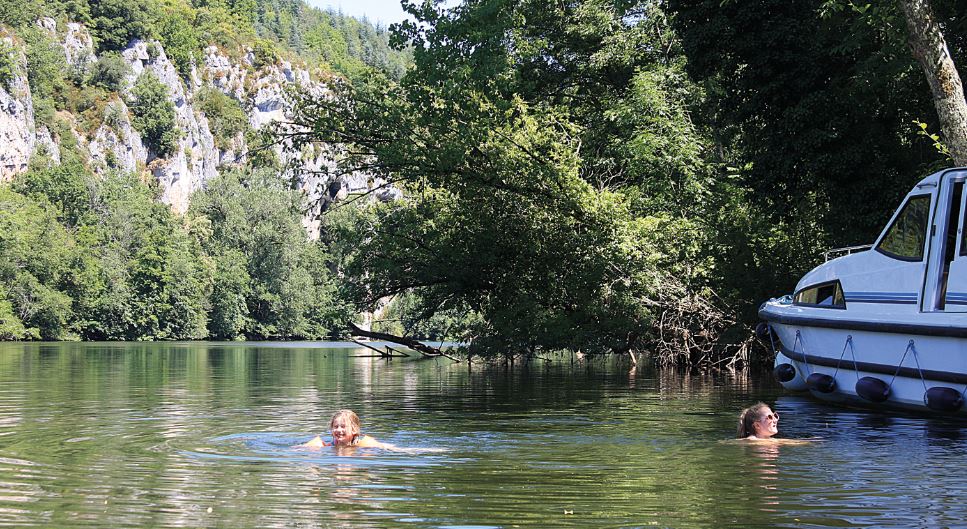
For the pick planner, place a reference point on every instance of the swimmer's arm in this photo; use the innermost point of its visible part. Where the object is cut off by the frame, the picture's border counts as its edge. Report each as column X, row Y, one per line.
column 369, row 442
column 315, row 444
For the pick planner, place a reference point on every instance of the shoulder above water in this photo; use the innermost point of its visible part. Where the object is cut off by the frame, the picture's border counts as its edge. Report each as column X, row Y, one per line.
column 315, row 444
column 369, row 442
column 772, row 441
column 366, row 441
column 363, row 442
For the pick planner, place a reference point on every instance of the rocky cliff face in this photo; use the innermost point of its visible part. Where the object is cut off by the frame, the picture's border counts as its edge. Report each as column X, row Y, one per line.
column 17, row 131
column 116, row 145
column 195, row 159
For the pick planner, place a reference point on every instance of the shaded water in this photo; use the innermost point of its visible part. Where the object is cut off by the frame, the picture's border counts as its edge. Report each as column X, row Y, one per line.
column 201, row 435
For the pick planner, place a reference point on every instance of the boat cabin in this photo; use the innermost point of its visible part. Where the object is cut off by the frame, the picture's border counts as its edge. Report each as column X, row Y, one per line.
column 918, row 264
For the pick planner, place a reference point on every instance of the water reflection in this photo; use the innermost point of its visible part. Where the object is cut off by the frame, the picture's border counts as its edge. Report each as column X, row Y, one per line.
column 763, row 458
column 945, row 433
column 186, row 435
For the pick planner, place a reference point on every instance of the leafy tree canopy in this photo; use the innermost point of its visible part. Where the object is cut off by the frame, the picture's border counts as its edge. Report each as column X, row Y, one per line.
column 271, row 281
column 813, row 107
column 510, row 138
column 154, row 115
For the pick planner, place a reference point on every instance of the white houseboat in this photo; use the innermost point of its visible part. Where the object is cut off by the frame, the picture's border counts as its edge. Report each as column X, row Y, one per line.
column 885, row 325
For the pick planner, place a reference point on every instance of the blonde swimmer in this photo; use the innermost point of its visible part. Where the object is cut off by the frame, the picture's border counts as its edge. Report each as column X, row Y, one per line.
column 344, row 428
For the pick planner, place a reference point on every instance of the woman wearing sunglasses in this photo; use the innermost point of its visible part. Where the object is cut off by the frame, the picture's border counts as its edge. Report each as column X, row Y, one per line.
column 758, row 422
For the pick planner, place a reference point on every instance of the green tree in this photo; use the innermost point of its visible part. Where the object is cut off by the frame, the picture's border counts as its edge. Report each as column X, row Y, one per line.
column 154, row 115
column 46, row 69
column 116, row 22
column 20, row 14
column 11, row 328
column 229, row 316
column 550, row 174
column 335, row 40
column 931, row 51
column 109, row 71
column 176, row 29
column 216, row 22
column 812, row 112
column 270, row 280
column 8, row 66
column 152, row 279
column 66, row 186
column 35, row 256
column 225, row 116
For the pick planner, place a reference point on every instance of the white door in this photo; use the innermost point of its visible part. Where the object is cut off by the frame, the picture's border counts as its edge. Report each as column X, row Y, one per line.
column 952, row 293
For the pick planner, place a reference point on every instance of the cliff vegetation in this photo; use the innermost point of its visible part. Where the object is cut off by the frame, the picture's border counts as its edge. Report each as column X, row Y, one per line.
column 522, row 176
column 146, row 195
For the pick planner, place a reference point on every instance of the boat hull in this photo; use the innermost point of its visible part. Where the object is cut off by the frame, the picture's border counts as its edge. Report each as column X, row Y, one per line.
column 905, row 368
column 886, row 325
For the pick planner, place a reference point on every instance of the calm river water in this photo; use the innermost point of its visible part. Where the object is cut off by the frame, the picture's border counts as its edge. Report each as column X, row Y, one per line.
column 201, row 435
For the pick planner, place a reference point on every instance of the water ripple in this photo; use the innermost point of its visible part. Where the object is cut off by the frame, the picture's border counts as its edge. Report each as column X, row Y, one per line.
column 187, row 435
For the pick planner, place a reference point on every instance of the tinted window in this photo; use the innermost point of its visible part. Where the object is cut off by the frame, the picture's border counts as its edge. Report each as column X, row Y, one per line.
column 906, row 237
column 825, row 295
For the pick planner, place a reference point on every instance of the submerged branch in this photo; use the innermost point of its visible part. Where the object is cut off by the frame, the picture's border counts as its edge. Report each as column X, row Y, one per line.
column 416, row 345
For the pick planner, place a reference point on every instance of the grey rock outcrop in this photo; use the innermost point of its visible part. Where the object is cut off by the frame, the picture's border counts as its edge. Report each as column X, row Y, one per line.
column 78, row 45
column 76, row 42
column 47, row 145
column 17, row 131
column 196, row 159
column 221, row 73
column 264, row 93
column 115, row 144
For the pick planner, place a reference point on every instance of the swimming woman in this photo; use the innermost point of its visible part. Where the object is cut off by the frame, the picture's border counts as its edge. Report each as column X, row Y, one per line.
column 345, row 430
column 758, row 422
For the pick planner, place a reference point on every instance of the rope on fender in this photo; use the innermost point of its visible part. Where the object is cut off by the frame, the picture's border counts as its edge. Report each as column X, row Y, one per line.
column 849, row 343
column 909, row 348
column 805, row 359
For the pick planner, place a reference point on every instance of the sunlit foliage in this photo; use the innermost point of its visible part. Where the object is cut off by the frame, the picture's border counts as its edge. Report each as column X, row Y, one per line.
column 550, row 177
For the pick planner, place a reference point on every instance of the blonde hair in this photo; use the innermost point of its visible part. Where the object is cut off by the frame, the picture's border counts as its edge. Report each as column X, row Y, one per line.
column 353, row 420
column 748, row 418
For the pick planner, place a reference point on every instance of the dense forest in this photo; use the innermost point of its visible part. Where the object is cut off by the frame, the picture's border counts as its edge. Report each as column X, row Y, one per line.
column 631, row 175
column 94, row 257
column 184, row 27
column 589, row 175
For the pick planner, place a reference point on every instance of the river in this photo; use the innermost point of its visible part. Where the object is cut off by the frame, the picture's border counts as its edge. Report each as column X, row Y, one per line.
column 201, row 435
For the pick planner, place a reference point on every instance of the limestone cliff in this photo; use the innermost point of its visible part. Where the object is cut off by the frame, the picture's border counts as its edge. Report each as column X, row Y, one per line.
column 17, row 131
column 113, row 143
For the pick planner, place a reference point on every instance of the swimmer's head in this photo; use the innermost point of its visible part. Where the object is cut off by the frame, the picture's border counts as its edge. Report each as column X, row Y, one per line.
column 344, row 426
column 758, row 420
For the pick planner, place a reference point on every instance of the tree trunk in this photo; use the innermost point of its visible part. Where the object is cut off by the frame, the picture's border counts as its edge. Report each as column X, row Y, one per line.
column 930, row 50
column 415, row 345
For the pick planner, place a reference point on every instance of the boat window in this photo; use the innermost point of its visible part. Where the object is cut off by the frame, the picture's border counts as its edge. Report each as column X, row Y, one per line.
column 823, row 295
column 906, row 237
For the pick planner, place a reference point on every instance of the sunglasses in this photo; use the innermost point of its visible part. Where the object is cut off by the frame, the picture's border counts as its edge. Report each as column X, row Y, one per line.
column 771, row 416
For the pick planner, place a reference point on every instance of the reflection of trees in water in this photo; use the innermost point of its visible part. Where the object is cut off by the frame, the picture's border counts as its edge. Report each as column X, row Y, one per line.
column 707, row 382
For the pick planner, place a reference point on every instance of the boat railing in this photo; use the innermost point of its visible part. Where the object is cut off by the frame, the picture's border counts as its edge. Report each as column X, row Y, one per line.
column 840, row 252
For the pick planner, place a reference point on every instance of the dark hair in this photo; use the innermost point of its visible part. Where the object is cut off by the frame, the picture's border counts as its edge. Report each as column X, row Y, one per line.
column 748, row 418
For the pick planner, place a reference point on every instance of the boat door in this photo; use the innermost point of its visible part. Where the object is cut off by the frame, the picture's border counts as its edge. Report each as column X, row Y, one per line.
column 893, row 277
column 945, row 285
